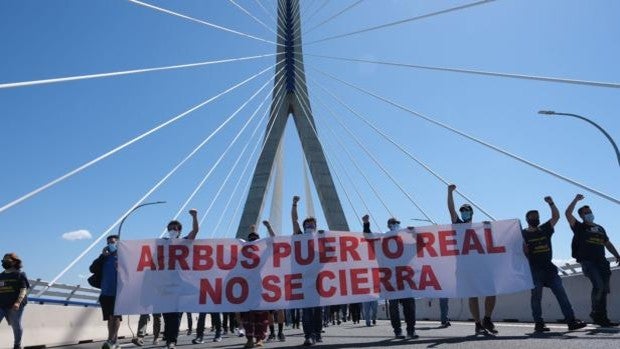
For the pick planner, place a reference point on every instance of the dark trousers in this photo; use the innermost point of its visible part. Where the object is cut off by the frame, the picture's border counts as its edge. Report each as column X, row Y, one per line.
column 229, row 321
column 172, row 321
column 312, row 321
column 549, row 278
column 190, row 321
column 356, row 312
column 599, row 274
column 216, row 321
column 409, row 312
column 144, row 321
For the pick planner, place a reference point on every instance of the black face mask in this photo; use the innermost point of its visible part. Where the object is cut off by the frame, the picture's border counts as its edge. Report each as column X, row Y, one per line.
column 7, row 265
column 535, row 222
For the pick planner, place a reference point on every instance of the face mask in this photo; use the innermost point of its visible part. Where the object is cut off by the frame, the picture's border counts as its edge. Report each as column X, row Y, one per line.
column 466, row 216
column 533, row 222
column 112, row 248
column 7, row 265
column 173, row 234
column 394, row 227
column 309, row 230
column 588, row 217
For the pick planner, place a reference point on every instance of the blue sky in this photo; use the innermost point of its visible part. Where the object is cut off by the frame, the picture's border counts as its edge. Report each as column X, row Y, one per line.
column 48, row 130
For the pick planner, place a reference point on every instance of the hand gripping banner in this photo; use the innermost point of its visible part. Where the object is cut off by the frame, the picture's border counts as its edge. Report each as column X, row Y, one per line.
column 299, row 271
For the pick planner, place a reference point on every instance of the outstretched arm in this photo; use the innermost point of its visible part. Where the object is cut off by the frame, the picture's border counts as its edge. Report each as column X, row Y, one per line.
column 571, row 207
column 269, row 229
column 192, row 234
column 612, row 249
column 555, row 213
column 453, row 216
column 294, row 216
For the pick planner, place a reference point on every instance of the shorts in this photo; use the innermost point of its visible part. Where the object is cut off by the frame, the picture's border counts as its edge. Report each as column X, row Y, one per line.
column 107, row 307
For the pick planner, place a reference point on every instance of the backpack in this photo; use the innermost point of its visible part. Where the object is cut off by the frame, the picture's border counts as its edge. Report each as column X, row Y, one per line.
column 96, row 268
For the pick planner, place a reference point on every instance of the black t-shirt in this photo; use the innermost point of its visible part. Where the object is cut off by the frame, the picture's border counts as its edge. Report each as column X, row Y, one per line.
column 10, row 284
column 591, row 240
column 539, row 245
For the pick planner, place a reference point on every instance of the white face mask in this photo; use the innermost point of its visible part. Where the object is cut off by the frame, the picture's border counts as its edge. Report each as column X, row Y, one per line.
column 394, row 227
column 173, row 234
column 309, row 231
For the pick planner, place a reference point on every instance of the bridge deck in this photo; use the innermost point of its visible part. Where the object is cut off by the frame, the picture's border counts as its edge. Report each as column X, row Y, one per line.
column 460, row 334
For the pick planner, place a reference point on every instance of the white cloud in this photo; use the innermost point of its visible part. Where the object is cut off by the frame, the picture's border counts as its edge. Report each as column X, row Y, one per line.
column 77, row 235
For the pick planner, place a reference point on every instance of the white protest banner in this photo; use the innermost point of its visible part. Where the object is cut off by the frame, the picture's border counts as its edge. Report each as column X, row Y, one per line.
column 229, row 275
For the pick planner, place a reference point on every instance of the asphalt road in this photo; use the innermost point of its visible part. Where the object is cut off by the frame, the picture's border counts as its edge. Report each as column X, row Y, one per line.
column 459, row 335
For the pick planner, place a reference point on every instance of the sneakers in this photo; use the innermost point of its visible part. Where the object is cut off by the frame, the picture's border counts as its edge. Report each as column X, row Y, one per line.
column 171, row 345
column 318, row 339
column 445, row 324
column 271, row 338
column 189, row 331
column 107, row 345
column 138, row 341
column 241, row 332
column 488, row 325
column 308, row 342
column 412, row 336
column 540, row 327
column 217, row 338
column 259, row 343
column 155, row 341
column 399, row 336
column 576, row 324
column 480, row 329
column 249, row 343
column 198, row 340
column 606, row 323
column 281, row 337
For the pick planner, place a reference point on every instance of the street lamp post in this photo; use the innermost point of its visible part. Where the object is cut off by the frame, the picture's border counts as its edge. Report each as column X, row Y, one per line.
column 550, row 112
column 132, row 211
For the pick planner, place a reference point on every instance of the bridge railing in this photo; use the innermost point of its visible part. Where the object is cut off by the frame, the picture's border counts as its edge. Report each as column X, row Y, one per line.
column 575, row 268
column 62, row 294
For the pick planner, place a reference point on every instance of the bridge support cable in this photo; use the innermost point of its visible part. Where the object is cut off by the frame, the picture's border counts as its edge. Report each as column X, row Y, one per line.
column 212, row 25
column 140, row 201
column 234, row 166
column 230, row 145
column 310, row 16
column 130, row 142
column 476, row 72
column 268, row 13
column 402, row 21
column 376, row 161
column 333, row 16
column 400, row 147
column 244, row 10
column 331, row 165
column 474, row 139
column 127, row 72
column 349, row 178
column 262, row 143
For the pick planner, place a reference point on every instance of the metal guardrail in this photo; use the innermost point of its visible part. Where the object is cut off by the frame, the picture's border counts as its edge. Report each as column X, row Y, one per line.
column 575, row 268
column 62, row 294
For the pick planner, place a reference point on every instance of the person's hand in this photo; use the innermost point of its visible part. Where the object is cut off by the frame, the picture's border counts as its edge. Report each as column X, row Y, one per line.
column 579, row 197
column 16, row 306
column 366, row 219
column 105, row 251
column 295, row 199
column 193, row 212
column 266, row 224
column 452, row 187
column 548, row 200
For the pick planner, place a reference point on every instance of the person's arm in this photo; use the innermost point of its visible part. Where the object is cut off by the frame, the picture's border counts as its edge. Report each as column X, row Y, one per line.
column 294, row 217
column 555, row 213
column 569, row 210
column 20, row 298
column 269, row 229
column 366, row 223
column 612, row 249
column 192, row 234
column 453, row 216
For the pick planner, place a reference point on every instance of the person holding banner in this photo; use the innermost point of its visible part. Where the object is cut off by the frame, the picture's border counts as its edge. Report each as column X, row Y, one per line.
column 107, row 298
column 172, row 321
column 588, row 245
column 466, row 215
column 408, row 304
column 537, row 247
column 274, row 315
column 311, row 318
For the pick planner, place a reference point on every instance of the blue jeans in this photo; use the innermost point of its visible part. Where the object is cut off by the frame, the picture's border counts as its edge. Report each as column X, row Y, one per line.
column 370, row 311
column 599, row 274
column 14, row 317
column 548, row 277
column 443, row 309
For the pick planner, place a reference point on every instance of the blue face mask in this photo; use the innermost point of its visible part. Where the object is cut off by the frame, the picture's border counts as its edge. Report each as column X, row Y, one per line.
column 466, row 216
column 112, row 248
column 588, row 217
column 394, row 227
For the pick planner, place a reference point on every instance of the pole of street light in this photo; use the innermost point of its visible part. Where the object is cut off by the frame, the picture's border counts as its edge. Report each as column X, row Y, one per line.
column 132, row 211
column 611, row 140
